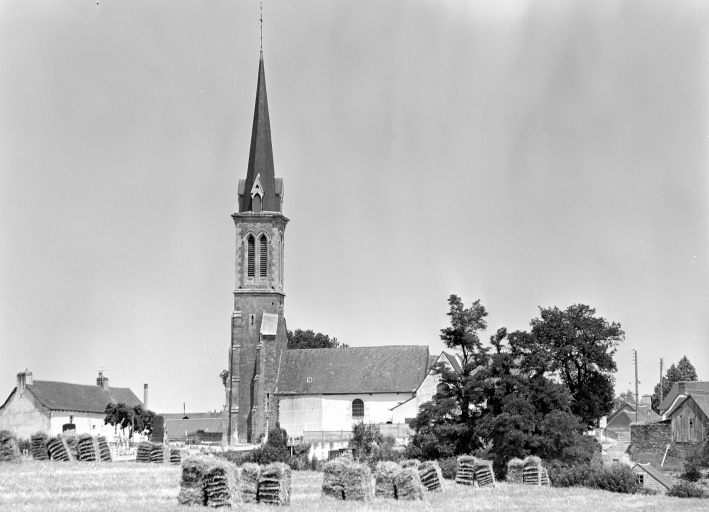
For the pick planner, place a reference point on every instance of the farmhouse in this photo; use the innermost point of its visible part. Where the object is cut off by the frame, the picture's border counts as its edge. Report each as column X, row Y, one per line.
column 649, row 477
column 619, row 422
column 303, row 390
column 690, row 419
column 679, row 392
column 52, row 407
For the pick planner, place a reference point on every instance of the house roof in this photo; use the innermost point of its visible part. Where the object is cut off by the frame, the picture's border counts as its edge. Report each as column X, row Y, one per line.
column 682, row 388
column 701, row 400
column 453, row 361
column 352, row 370
column 62, row 396
column 181, row 428
column 655, row 473
column 645, row 415
column 432, row 360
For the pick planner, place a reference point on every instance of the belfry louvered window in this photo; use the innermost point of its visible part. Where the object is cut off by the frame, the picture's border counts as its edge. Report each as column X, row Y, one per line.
column 263, row 256
column 251, row 249
column 357, row 408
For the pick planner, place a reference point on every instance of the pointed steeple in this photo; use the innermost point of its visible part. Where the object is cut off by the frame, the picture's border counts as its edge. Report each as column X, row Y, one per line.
column 260, row 155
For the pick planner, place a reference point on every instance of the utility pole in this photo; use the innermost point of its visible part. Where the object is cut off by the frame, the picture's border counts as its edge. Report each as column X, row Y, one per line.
column 661, row 390
column 635, row 359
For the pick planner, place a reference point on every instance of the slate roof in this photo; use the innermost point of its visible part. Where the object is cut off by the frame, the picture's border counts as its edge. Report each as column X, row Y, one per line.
column 701, row 400
column 454, row 362
column 682, row 388
column 655, row 473
column 62, row 396
column 432, row 360
column 645, row 415
column 353, row 370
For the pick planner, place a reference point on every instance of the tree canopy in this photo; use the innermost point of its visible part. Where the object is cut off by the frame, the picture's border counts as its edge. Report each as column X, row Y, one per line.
column 135, row 419
column 310, row 339
column 683, row 371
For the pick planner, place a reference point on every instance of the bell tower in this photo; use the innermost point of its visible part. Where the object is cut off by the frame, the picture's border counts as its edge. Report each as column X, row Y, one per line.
column 258, row 328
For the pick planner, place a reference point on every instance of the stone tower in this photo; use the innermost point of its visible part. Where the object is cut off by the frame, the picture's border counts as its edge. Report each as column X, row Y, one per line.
column 258, row 329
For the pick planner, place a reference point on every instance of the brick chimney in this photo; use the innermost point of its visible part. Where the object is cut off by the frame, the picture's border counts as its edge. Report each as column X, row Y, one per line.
column 24, row 379
column 102, row 381
column 646, row 400
column 145, row 396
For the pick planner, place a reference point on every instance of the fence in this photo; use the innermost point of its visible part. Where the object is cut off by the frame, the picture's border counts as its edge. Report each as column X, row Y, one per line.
column 398, row 430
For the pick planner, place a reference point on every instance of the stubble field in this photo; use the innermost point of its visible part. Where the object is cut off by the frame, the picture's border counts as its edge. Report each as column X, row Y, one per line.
column 52, row 486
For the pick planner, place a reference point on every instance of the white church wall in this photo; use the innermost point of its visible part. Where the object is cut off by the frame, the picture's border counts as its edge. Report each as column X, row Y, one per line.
column 299, row 413
column 378, row 407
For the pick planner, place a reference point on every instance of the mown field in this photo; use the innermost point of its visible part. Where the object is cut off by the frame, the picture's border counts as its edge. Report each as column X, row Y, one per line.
column 131, row 487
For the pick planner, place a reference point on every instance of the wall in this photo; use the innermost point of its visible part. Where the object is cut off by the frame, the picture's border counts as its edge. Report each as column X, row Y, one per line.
column 321, row 451
column 298, row 413
column 86, row 423
column 24, row 416
column 649, row 482
column 654, row 437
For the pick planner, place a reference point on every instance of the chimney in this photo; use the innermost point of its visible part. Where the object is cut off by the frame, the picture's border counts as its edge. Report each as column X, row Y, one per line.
column 24, row 379
column 102, row 381
column 646, row 400
column 145, row 396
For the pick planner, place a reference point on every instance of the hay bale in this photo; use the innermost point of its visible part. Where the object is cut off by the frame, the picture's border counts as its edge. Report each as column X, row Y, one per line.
column 465, row 471
column 85, row 448
column 408, row 484
column 274, row 484
column 194, row 469
column 157, row 453
column 410, row 463
column 515, row 471
column 250, row 474
column 9, row 450
column 534, row 473
column 431, row 476
column 57, row 450
column 357, row 483
column 221, row 484
column 484, row 475
column 332, row 480
column 175, row 456
column 70, row 442
column 384, row 475
column 143, row 453
column 103, row 449
column 38, row 446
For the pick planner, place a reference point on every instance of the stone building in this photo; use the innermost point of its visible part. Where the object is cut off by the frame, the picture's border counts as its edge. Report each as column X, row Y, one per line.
column 690, row 419
column 649, row 477
column 312, row 389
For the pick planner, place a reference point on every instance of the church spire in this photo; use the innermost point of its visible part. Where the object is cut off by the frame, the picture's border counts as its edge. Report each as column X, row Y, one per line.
column 260, row 177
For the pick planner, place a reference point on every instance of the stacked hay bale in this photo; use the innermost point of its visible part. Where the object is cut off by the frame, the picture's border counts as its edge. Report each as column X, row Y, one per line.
column 384, row 479
column 38, row 446
column 357, row 483
column 274, row 484
column 484, row 475
column 250, row 474
column 333, row 475
column 408, row 484
column 431, row 477
column 515, row 471
column 465, row 472
column 157, row 453
column 194, row 469
column 220, row 484
column 144, row 450
column 534, row 473
column 57, row 450
column 103, row 450
column 175, row 456
column 9, row 450
column 86, row 449
column 410, row 463
column 71, row 442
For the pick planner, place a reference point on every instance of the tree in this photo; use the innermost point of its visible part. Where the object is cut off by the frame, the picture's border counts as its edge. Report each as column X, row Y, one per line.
column 579, row 347
column 309, row 339
column 135, row 419
column 627, row 397
column 365, row 437
column 684, row 371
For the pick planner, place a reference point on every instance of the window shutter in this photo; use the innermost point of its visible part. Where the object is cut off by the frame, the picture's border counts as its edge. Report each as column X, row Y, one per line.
column 251, row 249
column 263, row 257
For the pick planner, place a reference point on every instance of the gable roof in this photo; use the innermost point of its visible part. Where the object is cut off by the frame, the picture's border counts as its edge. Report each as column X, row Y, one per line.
column 626, row 415
column 353, row 370
column 655, row 473
column 453, row 361
column 701, row 400
column 682, row 388
column 432, row 360
column 62, row 396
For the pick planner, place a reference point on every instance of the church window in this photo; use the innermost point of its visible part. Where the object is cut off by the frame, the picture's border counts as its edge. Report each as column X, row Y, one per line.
column 263, row 267
column 357, row 408
column 251, row 250
column 257, row 204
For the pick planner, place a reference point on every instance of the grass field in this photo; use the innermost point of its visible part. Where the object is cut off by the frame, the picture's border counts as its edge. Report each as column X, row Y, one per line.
column 131, row 487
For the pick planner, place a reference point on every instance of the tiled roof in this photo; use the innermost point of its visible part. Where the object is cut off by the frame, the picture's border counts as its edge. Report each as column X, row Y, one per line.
column 432, row 360
column 62, row 396
column 655, row 473
column 454, row 362
column 391, row 369
column 700, row 399
column 682, row 388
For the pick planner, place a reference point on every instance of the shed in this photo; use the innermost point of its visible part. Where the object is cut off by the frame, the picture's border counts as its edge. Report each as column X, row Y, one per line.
column 690, row 420
column 649, row 477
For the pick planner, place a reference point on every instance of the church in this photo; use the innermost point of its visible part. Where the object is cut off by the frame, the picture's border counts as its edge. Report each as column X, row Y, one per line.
column 306, row 390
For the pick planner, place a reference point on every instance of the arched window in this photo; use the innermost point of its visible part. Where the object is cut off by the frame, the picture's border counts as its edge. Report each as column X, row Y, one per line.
column 263, row 256
column 257, row 203
column 251, row 249
column 357, row 408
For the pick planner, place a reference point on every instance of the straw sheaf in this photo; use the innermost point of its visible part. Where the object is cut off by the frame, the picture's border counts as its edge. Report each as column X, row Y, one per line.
column 157, row 453
column 515, row 471
column 194, row 469
column 221, row 484
column 143, row 452
column 57, row 450
column 411, row 463
column 465, row 471
column 250, row 474
column 9, row 450
column 484, row 475
column 104, row 450
column 431, row 476
column 333, row 474
column 408, row 485
column 384, row 475
column 70, row 441
column 175, row 456
column 274, row 484
column 85, row 448
column 534, row 473
column 38, row 446
column 357, row 483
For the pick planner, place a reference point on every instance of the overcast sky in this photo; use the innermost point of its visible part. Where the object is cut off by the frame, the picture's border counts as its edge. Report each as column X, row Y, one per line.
column 526, row 154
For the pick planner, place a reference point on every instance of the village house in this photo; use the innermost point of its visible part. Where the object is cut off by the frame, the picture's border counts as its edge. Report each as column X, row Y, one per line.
column 690, row 419
column 620, row 421
column 679, row 392
column 53, row 407
column 649, row 477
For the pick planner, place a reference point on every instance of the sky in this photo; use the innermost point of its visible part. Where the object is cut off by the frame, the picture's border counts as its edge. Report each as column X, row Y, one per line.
column 527, row 154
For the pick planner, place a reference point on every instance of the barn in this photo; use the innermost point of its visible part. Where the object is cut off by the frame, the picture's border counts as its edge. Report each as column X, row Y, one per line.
column 690, row 420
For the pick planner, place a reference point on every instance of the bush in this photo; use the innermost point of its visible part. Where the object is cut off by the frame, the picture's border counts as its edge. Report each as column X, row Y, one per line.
column 24, row 445
column 686, row 490
column 382, row 454
column 616, row 478
column 692, row 472
column 366, row 437
column 448, row 467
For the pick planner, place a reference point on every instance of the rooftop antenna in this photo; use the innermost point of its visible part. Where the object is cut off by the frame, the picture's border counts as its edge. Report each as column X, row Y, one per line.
column 261, row 26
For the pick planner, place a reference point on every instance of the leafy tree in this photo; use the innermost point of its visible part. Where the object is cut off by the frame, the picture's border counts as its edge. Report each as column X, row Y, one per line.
column 309, row 339
column 580, row 347
column 365, row 437
column 684, row 371
column 135, row 419
column 626, row 397
column 224, row 375
column 275, row 449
